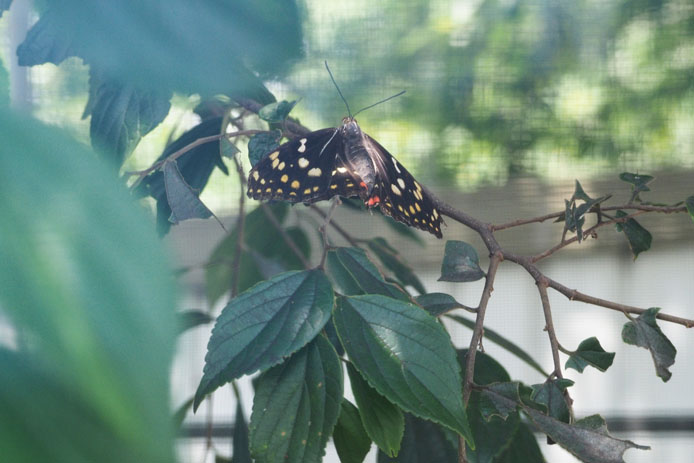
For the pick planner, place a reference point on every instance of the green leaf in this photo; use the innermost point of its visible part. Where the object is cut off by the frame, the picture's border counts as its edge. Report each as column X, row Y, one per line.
column 493, row 432
column 276, row 112
column 188, row 319
column 638, row 182
column 499, row 399
column 181, row 413
column 263, row 246
column 579, row 193
column 241, row 444
column 262, row 144
column 88, row 290
column 406, row 355
column 227, row 148
column 121, row 115
column 265, row 324
column 351, row 441
column 639, row 238
column 590, row 352
column 296, row 406
column 183, row 200
column 503, row 342
column 460, row 263
column 392, row 260
column 551, row 395
column 437, row 304
column 523, row 448
column 383, row 422
column 261, row 37
column 354, row 273
column 195, row 165
column 4, row 5
column 689, row 203
column 423, row 442
column 645, row 332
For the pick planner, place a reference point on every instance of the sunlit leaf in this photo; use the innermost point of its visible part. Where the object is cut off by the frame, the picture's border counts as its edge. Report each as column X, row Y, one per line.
column 351, row 441
column 276, row 112
column 406, row 355
column 639, row 238
column 296, row 406
column 264, row 325
column 460, row 263
column 383, row 421
column 182, row 199
column 590, row 352
column 644, row 331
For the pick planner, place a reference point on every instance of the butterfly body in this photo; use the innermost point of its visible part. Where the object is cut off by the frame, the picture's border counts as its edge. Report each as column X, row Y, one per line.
column 347, row 162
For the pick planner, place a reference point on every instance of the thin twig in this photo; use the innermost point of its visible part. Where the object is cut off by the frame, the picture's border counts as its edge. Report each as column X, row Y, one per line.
column 285, row 237
column 477, row 333
column 324, row 230
column 336, row 226
column 240, row 223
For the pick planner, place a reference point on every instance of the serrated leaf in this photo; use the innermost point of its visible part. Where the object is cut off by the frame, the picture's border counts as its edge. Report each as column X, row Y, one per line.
column 188, row 319
column 240, row 443
column 265, row 324
column 551, row 395
column 460, row 263
column 437, row 303
column 645, row 332
column 639, row 238
column 354, row 273
column 393, row 261
column 296, row 406
column 182, row 199
column 276, row 112
column 423, row 442
column 121, row 115
column 493, row 432
column 383, row 421
column 689, row 203
column 496, row 338
column 406, row 355
column 523, row 448
column 262, row 144
column 88, row 293
column 351, row 441
column 590, row 352
column 196, row 166
column 263, row 246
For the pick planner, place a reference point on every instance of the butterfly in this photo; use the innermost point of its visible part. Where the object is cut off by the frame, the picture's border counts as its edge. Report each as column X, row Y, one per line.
column 347, row 162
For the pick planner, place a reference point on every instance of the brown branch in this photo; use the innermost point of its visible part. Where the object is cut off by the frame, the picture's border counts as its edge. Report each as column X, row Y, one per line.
column 290, row 124
column 477, row 333
column 549, row 325
column 336, row 226
column 285, row 237
column 519, row 222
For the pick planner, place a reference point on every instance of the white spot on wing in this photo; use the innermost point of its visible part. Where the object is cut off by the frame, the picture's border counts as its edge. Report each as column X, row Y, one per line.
column 302, row 148
column 315, row 172
column 303, row 163
column 401, row 182
column 256, row 175
column 395, row 163
column 341, row 170
column 395, row 189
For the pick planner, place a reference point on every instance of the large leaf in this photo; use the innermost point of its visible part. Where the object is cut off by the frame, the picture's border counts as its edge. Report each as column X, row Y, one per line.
column 265, row 324
column 383, row 421
column 122, row 39
column 296, row 406
column 195, row 166
column 645, row 332
column 354, row 273
column 393, row 261
column 261, row 144
column 639, row 238
column 406, row 355
column 121, row 115
column 351, row 441
column 590, row 352
column 460, row 263
column 423, row 442
column 85, row 283
column 523, row 448
column 550, row 394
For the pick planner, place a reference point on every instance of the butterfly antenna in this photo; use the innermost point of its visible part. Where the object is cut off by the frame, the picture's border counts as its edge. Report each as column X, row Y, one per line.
column 382, row 101
column 338, row 89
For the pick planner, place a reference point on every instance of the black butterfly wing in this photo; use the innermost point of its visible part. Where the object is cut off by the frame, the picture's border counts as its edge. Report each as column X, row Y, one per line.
column 306, row 169
column 400, row 195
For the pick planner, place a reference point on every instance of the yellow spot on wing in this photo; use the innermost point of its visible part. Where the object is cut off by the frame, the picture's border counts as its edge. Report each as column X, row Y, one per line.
column 284, row 178
column 333, row 186
column 436, row 214
column 307, row 191
column 262, row 181
column 411, row 209
column 296, row 184
column 279, row 191
column 256, row 175
column 291, row 193
column 274, row 155
column 268, row 190
column 316, row 188
column 419, row 209
column 275, row 162
column 281, row 166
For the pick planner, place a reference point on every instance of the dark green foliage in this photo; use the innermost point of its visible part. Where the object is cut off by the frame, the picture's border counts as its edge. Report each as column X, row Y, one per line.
column 276, row 112
column 550, row 394
column 4, row 5
column 460, row 263
column 394, row 262
column 645, row 332
column 351, row 441
column 423, row 442
column 264, row 325
column 240, row 443
column 639, row 238
column 188, row 319
column 354, row 273
column 296, row 406
column 261, row 144
column 182, row 199
column 689, row 203
column 590, row 352
column 437, row 304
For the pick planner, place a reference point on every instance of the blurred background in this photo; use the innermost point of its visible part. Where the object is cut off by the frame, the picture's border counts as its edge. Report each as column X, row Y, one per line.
column 507, row 103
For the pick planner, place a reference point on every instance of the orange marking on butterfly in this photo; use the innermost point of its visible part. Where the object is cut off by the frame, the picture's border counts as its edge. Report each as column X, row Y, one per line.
column 363, row 185
column 373, row 201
